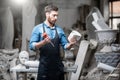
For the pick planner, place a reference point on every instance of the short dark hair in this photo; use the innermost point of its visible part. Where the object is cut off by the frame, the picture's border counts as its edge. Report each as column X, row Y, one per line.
column 49, row 8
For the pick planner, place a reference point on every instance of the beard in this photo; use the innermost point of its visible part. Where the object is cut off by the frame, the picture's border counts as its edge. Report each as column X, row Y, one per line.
column 52, row 22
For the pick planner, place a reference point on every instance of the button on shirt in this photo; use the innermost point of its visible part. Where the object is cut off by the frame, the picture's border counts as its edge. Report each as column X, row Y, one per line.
column 38, row 31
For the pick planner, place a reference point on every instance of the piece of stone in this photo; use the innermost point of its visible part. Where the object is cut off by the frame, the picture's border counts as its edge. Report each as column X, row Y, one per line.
column 83, row 48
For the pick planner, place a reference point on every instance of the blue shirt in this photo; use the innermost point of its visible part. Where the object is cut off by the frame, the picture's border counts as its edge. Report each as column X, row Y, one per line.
column 38, row 31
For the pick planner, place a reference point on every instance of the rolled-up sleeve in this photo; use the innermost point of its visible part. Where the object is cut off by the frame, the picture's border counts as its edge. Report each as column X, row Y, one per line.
column 35, row 37
column 63, row 39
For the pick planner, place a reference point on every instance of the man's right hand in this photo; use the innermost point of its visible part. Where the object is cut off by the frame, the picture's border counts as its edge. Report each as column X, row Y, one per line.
column 47, row 40
column 43, row 42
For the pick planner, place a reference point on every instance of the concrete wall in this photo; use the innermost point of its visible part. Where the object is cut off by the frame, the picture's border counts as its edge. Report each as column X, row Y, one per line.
column 68, row 10
column 67, row 17
column 68, row 3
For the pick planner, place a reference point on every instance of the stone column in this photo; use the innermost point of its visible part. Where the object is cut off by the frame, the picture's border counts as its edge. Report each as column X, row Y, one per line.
column 7, row 28
column 28, row 22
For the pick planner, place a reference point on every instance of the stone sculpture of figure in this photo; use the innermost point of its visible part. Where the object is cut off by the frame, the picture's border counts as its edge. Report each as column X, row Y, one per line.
column 23, row 57
column 24, row 61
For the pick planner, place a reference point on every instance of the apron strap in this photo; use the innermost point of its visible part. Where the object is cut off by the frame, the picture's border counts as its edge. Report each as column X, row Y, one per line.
column 43, row 27
column 45, row 31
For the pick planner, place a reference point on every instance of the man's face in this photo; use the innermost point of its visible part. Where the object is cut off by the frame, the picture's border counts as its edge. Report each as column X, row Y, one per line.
column 52, row 17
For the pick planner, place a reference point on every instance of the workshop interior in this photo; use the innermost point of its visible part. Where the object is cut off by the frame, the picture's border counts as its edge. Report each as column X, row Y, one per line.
column 94, row 23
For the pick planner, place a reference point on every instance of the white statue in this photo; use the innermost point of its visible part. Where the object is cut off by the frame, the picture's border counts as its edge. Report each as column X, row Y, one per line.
column 24, row 62
column 23, row 56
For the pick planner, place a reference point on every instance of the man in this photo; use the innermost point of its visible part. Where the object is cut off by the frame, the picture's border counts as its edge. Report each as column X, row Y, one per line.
column 51, row 66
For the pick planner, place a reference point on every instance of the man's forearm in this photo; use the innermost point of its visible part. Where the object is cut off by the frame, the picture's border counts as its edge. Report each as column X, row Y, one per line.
column 43, row 42
column 69, row 46
column 40, row 44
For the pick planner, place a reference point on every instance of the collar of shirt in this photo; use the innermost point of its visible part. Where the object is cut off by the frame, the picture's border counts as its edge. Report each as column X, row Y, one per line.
column 49, row 26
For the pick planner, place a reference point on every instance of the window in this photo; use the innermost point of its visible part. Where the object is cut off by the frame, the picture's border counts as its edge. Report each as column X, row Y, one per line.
column 114, row 18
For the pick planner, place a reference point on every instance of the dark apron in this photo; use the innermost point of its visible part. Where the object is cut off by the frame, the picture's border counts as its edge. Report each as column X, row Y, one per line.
column 50, row 67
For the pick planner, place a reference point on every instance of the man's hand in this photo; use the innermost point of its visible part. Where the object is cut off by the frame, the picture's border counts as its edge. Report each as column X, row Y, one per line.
column 46, row 38
column 43, row 42
column 72, row 41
